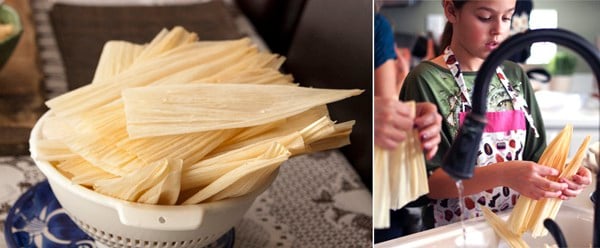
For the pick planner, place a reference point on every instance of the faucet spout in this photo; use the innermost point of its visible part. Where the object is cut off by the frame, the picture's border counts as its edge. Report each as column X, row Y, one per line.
column 459, row 161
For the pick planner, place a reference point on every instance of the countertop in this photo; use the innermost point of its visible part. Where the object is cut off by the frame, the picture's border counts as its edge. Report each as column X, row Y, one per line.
column 578, row 109
column 560, row 108
column 582, row 118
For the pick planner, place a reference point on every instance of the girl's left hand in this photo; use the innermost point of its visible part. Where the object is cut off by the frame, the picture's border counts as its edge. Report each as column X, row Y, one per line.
column 429, row 123
column 577, row 183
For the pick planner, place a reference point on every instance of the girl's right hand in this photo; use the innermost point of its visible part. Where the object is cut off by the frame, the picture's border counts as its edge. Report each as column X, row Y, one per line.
column 529, row 179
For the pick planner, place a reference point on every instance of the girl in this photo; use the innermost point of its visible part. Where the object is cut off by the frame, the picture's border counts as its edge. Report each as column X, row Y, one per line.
column 514, row 136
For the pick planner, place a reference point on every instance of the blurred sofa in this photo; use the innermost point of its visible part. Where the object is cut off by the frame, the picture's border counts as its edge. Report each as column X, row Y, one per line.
column 328, row 44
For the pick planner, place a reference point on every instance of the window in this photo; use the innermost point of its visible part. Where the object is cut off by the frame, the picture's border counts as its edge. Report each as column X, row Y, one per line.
column 542, row 52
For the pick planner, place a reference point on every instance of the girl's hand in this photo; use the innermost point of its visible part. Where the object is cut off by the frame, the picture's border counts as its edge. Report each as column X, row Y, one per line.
column 529, row 179
column 578, row 182
column 429, row 123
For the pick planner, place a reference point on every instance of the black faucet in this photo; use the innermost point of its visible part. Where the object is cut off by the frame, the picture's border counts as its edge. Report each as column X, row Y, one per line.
column 459, row 161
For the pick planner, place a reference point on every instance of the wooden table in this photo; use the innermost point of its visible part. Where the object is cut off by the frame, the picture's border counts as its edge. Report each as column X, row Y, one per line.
column 21, row 91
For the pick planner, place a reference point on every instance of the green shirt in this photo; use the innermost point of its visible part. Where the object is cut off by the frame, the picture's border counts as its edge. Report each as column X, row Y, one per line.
column 430, row 82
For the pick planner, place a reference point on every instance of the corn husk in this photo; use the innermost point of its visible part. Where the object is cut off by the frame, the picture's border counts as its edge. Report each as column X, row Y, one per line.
column 554, row 156
column 529, row 214
column 501, row 229
column 85, row 134
column 83, row 172
column 244, row 179
column 168, row 110
column 400, row 177
column 548, row 207
column 132, row 186
column 116, row 57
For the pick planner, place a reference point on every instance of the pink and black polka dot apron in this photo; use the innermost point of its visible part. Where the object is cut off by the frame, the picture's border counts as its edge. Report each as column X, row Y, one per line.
column 503, row 140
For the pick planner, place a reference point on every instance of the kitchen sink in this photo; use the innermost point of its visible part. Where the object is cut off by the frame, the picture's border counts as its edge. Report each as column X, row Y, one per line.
column 576, row 223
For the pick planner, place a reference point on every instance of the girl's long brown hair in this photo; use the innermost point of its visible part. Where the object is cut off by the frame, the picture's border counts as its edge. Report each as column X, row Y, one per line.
column 446, row 37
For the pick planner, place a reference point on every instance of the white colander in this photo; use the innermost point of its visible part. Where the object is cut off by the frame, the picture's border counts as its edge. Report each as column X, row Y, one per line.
column 116, row 223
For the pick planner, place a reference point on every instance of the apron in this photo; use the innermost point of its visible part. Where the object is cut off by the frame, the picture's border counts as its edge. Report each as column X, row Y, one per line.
column 502, row 140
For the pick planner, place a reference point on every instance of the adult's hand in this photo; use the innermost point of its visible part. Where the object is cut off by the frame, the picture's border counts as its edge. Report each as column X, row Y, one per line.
column 392, row 120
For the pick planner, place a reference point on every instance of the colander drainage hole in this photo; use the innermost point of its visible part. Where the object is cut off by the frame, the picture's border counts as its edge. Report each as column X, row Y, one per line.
column 162, row 220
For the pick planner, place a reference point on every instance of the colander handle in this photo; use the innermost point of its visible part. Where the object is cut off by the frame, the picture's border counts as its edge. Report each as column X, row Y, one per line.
column 161, row 218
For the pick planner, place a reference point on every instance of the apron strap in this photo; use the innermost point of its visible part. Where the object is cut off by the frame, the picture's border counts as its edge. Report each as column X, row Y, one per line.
column 454, row 67
column 518, row 101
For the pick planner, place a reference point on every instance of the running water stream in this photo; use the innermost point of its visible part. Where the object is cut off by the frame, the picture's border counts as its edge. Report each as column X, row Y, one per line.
column 460, row 187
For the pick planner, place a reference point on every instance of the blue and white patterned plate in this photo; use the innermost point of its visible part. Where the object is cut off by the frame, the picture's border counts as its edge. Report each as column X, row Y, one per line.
column 37, row 220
